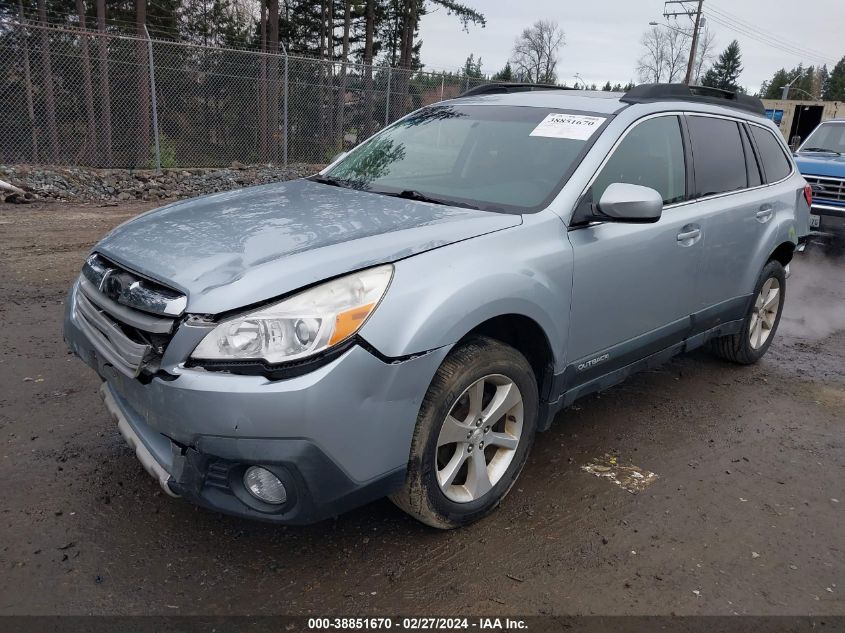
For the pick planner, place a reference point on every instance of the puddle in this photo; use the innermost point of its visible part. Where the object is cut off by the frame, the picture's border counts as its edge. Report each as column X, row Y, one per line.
column 631, row 478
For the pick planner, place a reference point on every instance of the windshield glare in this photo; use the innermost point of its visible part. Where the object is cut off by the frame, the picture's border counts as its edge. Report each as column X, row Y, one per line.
column 478, row 156
column 830, row 136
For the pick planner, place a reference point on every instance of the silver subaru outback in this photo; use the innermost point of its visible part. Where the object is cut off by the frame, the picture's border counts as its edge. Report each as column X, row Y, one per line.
column 404, row 322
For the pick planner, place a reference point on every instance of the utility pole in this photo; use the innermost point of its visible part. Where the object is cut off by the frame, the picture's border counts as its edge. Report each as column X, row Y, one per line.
column 695, row 16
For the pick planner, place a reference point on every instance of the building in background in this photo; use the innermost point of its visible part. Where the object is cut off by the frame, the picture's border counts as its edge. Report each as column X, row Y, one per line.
column 796, row 119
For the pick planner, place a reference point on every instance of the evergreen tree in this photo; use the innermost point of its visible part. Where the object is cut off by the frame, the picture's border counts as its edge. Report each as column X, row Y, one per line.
column 834, row 87
column 772, row 89
column 506, row 74
column 804, row 83
column 472, row 68
column 710, row 78
column 607, row 87
column 727, row 69
column 822, row 77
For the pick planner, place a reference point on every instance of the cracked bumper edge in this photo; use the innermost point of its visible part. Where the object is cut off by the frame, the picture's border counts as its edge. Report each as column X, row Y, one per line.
column 144, row 455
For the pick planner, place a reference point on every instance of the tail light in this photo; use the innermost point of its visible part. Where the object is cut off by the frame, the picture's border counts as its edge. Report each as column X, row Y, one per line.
column 808, row 195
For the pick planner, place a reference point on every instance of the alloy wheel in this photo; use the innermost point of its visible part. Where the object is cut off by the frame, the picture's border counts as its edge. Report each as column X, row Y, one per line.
column 479, row 437
column 765, row 312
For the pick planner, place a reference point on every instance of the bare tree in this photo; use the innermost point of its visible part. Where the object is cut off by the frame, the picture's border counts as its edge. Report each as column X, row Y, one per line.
column 27, row 73
column 664, row 56
column 535, row 52
column 369, row 26
column 651, row 63
column 105, row 99
column 143, row 83
column 262, row 87
column 706, row 53
column 88, row 91
column 49, row 94
column 344, row 59
column 273, row 70
column 677, row 44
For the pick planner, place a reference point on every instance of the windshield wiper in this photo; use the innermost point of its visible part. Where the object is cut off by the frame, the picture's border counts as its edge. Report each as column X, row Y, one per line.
column 413, row 194
column 328, row 180
column 821, row 149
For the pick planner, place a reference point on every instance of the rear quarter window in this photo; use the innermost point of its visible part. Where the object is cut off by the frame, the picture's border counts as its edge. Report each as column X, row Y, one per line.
column 717, row 154
column 775, row 163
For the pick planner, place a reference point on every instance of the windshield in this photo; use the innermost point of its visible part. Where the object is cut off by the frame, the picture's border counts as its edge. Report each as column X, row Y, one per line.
column 496, row 158
column 827, row 136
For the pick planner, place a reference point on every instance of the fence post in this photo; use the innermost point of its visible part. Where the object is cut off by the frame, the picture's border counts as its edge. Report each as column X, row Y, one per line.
column 387, row 99
column 442, row 80
column 285, row 113
column 154, row 102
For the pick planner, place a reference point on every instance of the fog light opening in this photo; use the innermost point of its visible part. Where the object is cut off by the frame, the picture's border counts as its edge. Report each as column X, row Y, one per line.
column 264, row 485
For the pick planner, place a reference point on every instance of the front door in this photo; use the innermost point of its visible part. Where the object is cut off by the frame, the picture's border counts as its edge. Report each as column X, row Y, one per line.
column 634, row 285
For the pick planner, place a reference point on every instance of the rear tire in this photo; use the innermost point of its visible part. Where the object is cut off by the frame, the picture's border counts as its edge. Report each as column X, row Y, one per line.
column 474, row 430
column 761, row 321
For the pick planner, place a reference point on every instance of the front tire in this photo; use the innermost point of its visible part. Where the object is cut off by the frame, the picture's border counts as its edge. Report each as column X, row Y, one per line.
column 475, row 428
column 761, row 321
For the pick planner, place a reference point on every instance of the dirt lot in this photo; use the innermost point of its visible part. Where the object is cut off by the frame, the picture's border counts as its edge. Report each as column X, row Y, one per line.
column 746, row 516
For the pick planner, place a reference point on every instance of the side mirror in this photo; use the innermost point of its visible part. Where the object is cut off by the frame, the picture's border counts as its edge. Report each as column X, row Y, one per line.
column 622, row 202
column 338, row 156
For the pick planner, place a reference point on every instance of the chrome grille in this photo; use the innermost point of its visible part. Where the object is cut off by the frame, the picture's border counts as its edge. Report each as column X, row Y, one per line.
column 131, row 290
column 825, row 188
column 122, row 314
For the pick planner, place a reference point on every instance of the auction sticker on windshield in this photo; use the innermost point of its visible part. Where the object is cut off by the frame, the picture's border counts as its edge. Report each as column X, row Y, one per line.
column 575, row 126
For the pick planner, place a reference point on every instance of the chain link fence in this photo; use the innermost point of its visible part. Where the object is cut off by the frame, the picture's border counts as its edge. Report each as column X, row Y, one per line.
column 84, row 98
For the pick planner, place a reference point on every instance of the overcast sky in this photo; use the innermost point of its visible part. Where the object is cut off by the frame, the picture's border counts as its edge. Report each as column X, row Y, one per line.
column 603, row 36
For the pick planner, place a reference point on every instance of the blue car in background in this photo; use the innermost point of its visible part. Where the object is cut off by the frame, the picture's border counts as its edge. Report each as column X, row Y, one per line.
column 821, row 160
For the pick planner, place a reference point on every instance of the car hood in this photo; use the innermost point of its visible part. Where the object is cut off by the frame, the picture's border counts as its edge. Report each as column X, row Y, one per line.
column 814, row 164
column 233, row 249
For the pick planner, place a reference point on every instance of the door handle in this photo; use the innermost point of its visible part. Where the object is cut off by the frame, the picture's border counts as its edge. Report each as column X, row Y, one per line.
column 691, row 234
column 765, row 213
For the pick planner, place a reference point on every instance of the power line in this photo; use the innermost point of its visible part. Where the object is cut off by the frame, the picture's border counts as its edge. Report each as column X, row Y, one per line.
column 768, row 34
column 781, row 46
column 768, row 40
column 754, row 36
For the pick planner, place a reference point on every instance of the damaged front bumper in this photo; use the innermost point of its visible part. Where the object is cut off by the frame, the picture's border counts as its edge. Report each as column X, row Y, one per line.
column 337, row 437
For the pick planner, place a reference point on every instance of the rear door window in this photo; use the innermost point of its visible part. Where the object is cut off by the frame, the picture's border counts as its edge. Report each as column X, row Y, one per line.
column 717, row 155
column 755, row 178
column 650, row 155
column 775, row 163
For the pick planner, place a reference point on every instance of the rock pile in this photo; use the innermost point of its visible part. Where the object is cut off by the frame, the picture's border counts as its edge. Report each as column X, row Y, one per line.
column 81, row 184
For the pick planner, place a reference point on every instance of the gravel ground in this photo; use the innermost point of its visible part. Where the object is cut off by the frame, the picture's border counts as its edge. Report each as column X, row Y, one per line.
column 745, row 516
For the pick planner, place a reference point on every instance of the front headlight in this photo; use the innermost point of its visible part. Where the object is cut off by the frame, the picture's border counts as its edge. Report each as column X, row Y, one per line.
column 302, row 325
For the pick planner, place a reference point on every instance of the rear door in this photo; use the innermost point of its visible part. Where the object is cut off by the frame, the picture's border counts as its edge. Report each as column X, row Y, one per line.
column 634, row 285
column 738, row 207
column 727, row 181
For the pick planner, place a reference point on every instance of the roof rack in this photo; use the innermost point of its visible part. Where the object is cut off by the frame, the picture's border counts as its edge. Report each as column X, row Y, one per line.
column 649, row 93
column 498, row 88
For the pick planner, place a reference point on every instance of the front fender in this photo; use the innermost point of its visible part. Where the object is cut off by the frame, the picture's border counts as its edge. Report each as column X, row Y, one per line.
column 436, row 297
